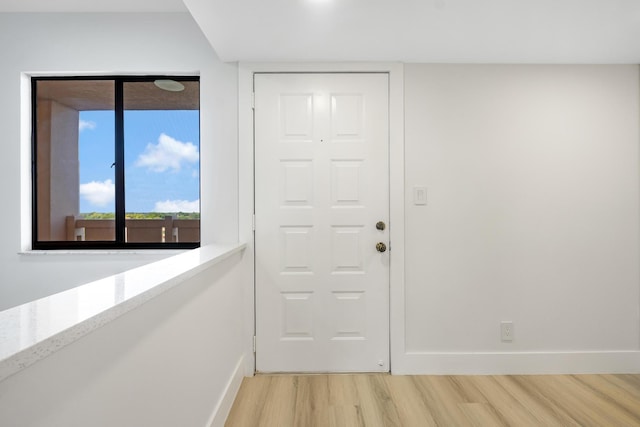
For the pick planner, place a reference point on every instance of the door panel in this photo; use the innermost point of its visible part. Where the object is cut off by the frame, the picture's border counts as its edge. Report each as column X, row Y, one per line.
column 321, row 184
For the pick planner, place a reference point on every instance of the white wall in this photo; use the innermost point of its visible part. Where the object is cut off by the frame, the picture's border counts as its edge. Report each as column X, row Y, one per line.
column 110, row 44
column 532, row 216
column 175, row 361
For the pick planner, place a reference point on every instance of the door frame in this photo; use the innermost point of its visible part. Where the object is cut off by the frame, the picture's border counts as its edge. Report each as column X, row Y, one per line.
column 397, row 192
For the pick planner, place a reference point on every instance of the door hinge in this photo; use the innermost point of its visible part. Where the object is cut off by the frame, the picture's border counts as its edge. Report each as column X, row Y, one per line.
column 253, row 222
column 254, row 343
column 253, row 100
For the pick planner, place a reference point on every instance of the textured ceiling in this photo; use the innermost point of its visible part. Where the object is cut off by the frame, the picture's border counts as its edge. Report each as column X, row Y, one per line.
column 88, row 95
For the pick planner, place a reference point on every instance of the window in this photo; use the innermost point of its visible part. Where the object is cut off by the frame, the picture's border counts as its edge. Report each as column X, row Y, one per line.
column 116, row 162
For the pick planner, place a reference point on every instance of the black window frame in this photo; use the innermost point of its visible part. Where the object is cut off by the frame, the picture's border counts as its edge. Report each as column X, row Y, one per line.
column 119, row 145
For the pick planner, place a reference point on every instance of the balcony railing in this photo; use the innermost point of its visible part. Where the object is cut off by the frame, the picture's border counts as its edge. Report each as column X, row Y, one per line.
column 136, row 230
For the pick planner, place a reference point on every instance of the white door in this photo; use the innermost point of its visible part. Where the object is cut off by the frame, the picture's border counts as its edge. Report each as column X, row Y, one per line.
column 321, row 186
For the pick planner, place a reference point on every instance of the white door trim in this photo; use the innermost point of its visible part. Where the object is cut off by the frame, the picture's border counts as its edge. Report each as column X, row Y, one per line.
column 396, row 188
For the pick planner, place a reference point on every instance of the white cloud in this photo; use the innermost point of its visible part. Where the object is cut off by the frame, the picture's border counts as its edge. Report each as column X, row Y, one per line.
column 177, row 206
column 98, row 193
column 168, row 153
column 85, row 124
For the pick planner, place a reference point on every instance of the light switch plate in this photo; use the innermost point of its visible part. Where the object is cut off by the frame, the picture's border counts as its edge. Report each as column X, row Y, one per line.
column 419, row 196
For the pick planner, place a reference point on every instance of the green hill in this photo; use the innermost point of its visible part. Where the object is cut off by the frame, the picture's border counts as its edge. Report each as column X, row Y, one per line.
column 142, row 215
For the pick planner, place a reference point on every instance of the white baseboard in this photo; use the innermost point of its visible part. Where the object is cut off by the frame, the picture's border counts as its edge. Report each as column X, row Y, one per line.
column 417, row 363
column 221, row 411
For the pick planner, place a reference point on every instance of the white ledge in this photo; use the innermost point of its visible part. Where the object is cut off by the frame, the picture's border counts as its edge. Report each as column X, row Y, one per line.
column 34, row 330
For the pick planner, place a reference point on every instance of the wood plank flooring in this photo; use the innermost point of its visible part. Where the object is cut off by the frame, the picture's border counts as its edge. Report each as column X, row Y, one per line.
column 384, row 400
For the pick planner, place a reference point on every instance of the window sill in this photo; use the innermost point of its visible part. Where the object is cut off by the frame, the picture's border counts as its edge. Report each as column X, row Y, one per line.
column 42, row 252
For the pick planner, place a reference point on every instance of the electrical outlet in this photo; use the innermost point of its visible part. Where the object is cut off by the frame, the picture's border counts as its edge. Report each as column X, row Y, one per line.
column 506, row 331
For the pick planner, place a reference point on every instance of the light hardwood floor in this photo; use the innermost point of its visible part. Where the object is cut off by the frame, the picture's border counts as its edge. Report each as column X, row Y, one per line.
column 385, row 400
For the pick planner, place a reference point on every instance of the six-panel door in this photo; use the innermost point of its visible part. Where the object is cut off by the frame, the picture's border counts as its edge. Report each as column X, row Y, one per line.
column 321, row 185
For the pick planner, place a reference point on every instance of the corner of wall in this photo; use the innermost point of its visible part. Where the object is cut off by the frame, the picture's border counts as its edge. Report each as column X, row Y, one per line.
column 223, row 407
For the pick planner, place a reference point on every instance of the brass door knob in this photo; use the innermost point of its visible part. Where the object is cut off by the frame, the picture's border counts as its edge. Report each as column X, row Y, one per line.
column 380, row 225
column 381, row 247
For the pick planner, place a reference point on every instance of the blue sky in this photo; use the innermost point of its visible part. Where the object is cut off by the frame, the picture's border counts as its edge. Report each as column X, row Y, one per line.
column 161, row 161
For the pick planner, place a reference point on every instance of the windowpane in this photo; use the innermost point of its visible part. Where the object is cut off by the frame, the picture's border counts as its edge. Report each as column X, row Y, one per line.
column 75, row 180
column 117, row 162
column 162, row 161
